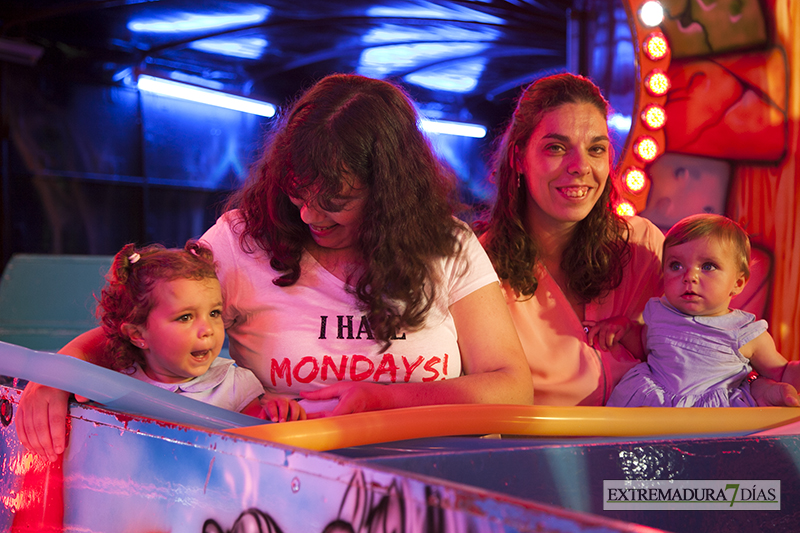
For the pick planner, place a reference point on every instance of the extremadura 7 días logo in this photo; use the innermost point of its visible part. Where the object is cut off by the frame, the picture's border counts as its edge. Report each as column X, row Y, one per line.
column 728, row 495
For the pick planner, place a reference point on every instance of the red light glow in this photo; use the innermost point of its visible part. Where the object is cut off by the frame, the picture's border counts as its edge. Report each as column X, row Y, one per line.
column 646, row 148
column 657, row 83
column 655, row 46
column 654, row 116
column 635, row 179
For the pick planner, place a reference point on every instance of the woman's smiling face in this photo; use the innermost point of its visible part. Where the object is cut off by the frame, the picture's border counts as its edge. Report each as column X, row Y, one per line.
column 334, row 225
column 566, row 164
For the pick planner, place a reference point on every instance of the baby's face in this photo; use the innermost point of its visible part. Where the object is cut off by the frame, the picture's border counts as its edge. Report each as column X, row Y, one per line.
column 184, row 330
column 701, row 276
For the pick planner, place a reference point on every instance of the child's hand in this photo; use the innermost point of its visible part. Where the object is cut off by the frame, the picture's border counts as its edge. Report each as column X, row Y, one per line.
column 279, row 409
column 41, row 420
column 607, row 333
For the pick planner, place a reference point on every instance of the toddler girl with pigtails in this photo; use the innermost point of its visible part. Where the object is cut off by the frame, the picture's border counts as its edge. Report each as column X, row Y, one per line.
column 161, row 315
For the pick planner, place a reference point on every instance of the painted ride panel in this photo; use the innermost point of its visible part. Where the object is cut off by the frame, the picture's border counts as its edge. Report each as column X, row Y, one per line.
column 728, row 446
column 182, row 465
column 124, row 473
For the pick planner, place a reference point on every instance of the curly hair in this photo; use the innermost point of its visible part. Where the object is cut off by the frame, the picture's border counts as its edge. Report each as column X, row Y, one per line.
column 714, row 226
column 127, row 297
column 594, row 259
column 346, row 130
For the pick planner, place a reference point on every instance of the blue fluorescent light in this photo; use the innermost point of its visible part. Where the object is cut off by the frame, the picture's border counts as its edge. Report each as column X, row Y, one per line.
column 459, row 77
column 193, row 79
column 447, row 127
column 620, row 122
column 411, row 48
column 192, row 22
column 428, row 10
column 382, row 61
column 191, row 93
column 244, row 47
column 395, row 33
column 453, row 83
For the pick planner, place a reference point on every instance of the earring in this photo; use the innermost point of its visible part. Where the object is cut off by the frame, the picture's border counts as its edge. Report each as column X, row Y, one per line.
column 519, row 180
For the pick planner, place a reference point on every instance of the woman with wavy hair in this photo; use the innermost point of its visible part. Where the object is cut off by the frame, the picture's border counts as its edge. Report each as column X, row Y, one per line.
column 566, row 259
column 347, row 269
column 346, row 279
column 575, row 274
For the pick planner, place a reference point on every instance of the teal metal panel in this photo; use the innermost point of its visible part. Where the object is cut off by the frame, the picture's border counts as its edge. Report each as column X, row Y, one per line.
column 47, row 300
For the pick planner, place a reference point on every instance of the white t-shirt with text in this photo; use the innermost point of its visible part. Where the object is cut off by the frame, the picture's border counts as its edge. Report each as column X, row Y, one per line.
column 312, row 333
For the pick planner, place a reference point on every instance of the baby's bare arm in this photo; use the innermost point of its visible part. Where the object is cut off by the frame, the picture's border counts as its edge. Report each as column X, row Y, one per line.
column 767, row 360
column 780, row 379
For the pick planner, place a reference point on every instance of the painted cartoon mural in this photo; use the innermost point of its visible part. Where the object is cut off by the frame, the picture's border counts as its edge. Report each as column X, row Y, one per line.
column 361, row 510
column 729, row 143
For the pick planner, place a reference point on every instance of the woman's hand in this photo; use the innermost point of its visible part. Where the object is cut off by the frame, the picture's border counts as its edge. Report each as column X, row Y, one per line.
column 41, row 420
column 280, row 409
column 353, row 397
column 771, row 393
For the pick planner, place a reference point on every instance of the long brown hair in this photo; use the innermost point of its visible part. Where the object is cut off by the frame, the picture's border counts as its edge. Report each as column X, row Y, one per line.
column 594, row 259
column 352, row 127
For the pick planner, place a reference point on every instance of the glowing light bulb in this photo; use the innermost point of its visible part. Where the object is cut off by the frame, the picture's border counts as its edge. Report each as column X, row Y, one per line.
column 651, row 14
column 635, row 179
column 625, row 209
column 654, row 117
column 657, row 83
column 646, row 148
column 656, row 46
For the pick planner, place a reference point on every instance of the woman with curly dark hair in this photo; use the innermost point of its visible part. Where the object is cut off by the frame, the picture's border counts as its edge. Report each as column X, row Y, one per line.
column 344, row 269
column 347, row 280
column 566, row 259
column 350, row 147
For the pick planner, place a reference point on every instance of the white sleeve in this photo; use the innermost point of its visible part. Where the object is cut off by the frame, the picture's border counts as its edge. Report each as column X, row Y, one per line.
column 224, row 244
column 470, row 270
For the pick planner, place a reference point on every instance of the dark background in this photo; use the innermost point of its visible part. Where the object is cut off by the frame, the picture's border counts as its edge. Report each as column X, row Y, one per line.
column 89, row 163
